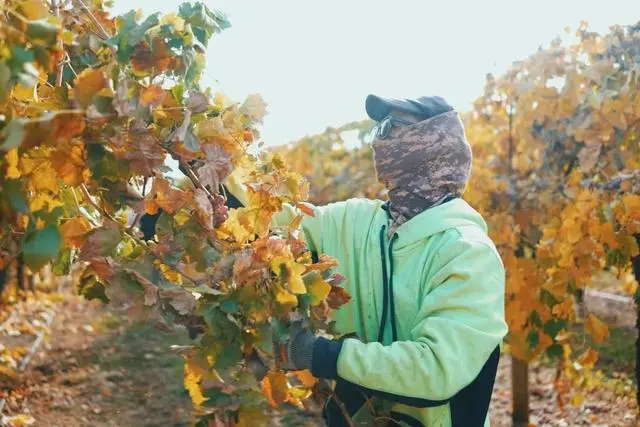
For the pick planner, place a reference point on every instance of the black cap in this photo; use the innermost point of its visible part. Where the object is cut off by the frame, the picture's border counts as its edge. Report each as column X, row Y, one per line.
column 423, row 107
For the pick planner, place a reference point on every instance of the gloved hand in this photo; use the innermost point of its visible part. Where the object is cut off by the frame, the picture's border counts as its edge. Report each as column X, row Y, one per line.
column 298, row 349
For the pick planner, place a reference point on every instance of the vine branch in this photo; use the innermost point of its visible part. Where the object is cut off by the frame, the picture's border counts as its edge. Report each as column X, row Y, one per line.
column 139, row 241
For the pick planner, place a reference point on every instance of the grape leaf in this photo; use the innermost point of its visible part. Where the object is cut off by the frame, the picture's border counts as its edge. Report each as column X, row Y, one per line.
column 41, row 246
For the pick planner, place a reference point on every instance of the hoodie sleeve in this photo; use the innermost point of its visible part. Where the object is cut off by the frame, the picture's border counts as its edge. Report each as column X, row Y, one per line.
column 459, row 325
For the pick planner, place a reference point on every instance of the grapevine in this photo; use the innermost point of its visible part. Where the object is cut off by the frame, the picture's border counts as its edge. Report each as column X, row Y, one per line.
column 91, row 108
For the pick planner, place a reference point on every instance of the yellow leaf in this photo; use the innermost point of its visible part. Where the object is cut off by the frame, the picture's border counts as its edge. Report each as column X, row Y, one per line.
column 577, row 399
column 69, row 161
column 317, row 287
column 574, row 232
column 43, row 176
column 299, row 393
column 23, row 93
column 285, row 298
column 234, row 226
column 74, row 231
column 296, row 284
column 293, row 273
column 173, row 19
column 596, row 328
column 20, row 420
column 564, row 310
column 34, row 10
column 88, row 84
column 42, row 201
column 12, row 164
column 306, row 378
column 67, row 36
column 631, row 202
column 192, row 384
column 181, row 218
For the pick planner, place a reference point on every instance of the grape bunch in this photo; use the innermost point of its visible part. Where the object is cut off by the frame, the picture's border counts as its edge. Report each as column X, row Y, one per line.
column 220, row 210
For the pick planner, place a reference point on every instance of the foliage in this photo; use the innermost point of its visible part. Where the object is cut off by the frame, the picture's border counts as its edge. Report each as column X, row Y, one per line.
column 555, row 174
column 91, row 107
column 335, row 170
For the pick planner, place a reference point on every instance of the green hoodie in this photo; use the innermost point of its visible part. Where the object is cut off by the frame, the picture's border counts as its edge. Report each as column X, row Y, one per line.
column 427, row 307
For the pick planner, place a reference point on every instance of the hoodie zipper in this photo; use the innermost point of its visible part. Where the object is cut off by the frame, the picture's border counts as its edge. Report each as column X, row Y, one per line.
column 387, row 283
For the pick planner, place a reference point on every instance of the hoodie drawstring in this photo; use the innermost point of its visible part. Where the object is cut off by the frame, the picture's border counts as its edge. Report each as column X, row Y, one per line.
column 387, row 282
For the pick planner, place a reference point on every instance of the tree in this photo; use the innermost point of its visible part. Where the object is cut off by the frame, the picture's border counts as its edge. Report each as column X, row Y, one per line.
column 91, row 107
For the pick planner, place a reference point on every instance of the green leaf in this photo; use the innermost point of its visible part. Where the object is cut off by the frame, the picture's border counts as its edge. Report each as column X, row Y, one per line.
column 41, row 247
column 204, row 21
column 14, row 192
column 178, row 92
column 229, row 305
column 533, row 339
column 49, row 216
column 62, row 265
column 5, row 78
column 553, row 326
column 42, row 30
column 279, row 331
column 102, row 163
column 13, row 134
column 191, row 142
column 69, row 204
column 195, row 65
column 555, row 350
column 535, row 319
column 131, row 34
column 91, row 289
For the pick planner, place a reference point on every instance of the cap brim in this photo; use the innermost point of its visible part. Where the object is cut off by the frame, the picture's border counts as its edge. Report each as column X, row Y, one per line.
column 377, row 108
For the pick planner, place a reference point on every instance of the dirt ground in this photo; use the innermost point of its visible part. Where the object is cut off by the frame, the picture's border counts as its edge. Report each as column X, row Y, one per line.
column 96, row 370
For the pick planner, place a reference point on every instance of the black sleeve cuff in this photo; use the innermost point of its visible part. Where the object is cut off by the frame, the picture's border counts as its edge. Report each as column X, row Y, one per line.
column 324, row 363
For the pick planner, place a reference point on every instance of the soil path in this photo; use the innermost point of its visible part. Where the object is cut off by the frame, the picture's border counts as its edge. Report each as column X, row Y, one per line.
column 94, row 369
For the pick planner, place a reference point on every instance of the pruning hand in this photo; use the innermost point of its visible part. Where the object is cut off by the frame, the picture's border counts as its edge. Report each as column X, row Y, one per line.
column 295, row 353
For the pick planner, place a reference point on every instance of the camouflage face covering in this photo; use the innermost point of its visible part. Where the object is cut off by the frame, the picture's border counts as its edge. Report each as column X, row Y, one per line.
column 421, row 165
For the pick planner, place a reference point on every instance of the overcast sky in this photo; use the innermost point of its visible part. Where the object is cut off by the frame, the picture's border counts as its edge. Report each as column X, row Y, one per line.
column 314, row 62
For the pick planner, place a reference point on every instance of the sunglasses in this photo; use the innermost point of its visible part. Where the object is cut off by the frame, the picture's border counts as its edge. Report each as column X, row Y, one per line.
column 382, row 129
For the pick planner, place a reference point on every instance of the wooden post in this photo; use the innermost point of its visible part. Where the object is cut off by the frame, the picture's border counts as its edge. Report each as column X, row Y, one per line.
column 21, row 274
column 520, row 392
column 635, row 263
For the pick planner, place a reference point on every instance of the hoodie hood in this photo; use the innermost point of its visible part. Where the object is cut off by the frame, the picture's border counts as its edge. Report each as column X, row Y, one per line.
column 454, row 214
column 423, row 165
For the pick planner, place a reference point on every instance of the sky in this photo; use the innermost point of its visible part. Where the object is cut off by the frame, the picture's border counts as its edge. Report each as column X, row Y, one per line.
column 314, row 62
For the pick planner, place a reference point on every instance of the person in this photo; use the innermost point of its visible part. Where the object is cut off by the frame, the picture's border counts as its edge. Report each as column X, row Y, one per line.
column 426, row 281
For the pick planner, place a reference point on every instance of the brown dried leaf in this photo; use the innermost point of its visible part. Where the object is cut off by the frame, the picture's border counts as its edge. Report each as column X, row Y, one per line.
column 150, row 290
column 180, row 299
column 204, row 208
column 143, row 149
column 198, row 102
column 165, row 197
column 103, row 267
column 588, row 156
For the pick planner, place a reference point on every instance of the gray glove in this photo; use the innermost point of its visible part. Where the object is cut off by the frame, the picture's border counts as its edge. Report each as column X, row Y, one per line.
column 299, row 348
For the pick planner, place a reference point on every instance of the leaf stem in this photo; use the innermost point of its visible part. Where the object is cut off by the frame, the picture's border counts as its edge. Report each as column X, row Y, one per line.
column 94, row 20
